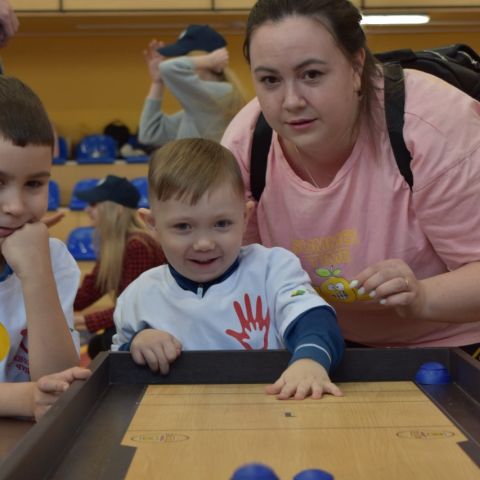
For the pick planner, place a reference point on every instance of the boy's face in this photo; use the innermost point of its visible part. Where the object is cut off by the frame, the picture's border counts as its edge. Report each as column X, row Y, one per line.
column 24, row 175
column 201, row 241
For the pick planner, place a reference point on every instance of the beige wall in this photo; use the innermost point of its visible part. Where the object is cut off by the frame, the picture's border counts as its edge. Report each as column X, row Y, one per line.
column 87, row 80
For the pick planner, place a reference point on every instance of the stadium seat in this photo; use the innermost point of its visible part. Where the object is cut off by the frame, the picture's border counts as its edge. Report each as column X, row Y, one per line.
column 96, row 149
column 85, row 184
column 53, row 195
column 80, row 243
column 62, row 156
column 141, row 183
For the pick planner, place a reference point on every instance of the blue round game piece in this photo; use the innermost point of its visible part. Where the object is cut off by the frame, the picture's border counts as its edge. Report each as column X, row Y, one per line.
column 432, row 373
column 313, row 474
column 254, row 471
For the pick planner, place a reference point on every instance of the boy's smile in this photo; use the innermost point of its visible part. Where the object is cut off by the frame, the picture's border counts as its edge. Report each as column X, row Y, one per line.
column 201, row 241
column 24, row 175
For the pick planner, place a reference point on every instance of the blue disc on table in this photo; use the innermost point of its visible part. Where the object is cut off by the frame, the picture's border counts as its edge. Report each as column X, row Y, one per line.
column 254, row 471
column 313, row 474
column 432, row 373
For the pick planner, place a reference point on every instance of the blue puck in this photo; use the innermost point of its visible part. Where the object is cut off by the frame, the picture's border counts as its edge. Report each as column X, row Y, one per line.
column 432, row 373
column 254, row 471
column 313, row 474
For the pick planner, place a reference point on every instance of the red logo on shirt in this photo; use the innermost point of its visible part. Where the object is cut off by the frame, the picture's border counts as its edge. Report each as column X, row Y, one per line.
column 254, row 333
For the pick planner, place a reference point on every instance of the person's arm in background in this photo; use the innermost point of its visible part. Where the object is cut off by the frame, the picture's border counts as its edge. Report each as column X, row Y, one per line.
column 8, row 22
column 33, row 399
column 181, row 76
column 156, row 128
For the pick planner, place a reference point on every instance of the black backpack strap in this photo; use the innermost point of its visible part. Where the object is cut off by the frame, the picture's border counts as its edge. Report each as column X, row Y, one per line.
column 262, row 138
column 394, row 112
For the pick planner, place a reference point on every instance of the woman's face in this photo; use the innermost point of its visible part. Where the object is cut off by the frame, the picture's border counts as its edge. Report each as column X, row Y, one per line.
column 307, row 88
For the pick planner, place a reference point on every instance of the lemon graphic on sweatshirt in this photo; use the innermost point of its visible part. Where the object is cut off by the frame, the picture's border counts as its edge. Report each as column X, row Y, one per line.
column 4, row 342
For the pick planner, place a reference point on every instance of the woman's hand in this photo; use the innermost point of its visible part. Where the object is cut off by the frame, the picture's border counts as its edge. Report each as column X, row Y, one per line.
column 393, row 283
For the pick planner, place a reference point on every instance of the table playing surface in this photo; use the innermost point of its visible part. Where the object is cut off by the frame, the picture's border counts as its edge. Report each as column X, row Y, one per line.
column 203, row 422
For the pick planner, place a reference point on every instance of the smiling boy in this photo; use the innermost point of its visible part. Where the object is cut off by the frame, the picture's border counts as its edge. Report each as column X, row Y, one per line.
column 214, row 293
column 38, row 276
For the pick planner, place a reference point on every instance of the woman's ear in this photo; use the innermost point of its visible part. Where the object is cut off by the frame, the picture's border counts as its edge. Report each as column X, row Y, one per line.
column 146, row 215
column 358, row 63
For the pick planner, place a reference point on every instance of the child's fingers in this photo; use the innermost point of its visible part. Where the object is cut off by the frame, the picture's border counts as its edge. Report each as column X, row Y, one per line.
column 275, row 387
column 332, row 389
column 80, row 373
column 170, row 351
column 287, row 391
column 303, row 389
column 162, row 360
column 151, row 359
column 137, row 355
column 50, row 384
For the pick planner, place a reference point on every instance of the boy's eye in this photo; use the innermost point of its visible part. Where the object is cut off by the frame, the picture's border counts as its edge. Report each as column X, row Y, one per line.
column 182, row 227
column 223, row 223
column 35, row 184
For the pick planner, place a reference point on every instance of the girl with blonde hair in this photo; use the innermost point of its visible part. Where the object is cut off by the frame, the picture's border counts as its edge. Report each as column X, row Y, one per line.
column 125, row 249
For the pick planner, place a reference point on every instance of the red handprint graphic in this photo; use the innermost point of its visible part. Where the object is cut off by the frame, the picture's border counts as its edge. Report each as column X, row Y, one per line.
column 254, row 334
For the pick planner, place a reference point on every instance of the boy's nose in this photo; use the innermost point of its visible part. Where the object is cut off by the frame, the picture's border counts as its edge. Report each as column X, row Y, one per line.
column 203, row 243
column 13, row 203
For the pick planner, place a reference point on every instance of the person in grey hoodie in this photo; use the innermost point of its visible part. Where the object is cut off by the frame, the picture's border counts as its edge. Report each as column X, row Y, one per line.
column 195, row 70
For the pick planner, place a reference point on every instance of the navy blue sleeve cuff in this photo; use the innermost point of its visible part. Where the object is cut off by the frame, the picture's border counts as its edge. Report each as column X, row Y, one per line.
column 315, row 335
column 125, row 347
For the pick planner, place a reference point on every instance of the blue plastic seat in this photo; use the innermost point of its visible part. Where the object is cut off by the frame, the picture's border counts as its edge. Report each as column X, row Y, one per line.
column 141, row 184
column 53, row 195
column 96, row 149
column 85, row 184
column 62, row 156
column 80, row 243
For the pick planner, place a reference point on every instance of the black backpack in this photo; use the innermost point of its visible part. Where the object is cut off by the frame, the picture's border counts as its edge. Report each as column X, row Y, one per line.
column 457, row 64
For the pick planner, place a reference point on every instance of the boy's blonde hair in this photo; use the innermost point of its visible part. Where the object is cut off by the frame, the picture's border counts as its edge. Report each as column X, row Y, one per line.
column 111, row 235
column 190, row 167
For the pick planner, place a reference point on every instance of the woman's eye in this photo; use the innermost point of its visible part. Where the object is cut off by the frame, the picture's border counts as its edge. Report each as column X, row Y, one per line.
column 269, row 80
column 312, row 74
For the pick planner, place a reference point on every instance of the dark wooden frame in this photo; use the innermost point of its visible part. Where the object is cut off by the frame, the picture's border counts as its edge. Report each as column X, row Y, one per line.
column 92, row 416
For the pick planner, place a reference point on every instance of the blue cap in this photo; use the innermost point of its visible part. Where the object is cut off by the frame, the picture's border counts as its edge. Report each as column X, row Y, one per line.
column 195, row 37
column 432, row 373
column 112, row 188
column 313, row 474
column 254, row 471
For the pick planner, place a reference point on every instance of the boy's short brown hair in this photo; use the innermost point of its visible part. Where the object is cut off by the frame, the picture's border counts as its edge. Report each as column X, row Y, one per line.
column 23, row 119
column 190, row 167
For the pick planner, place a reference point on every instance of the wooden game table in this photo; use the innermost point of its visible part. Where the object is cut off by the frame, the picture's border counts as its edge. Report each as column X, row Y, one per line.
column 210, row 415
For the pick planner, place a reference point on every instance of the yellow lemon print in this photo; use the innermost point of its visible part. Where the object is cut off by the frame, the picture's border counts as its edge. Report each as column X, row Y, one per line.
column 4, row 342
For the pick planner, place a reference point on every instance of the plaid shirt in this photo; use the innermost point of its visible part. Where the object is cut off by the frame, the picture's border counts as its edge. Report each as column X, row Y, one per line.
column 141, row 253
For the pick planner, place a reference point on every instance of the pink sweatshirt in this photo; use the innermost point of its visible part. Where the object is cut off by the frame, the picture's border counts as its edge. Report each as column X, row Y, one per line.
column 368, row 213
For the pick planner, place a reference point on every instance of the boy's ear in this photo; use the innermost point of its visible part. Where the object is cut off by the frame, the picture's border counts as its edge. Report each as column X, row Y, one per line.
column 146, row 215
column 249, row 209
